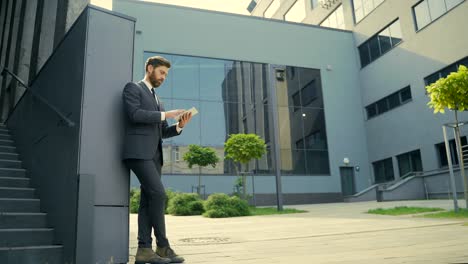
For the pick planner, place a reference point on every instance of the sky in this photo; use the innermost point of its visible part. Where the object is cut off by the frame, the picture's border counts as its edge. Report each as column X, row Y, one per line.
column 229, row 6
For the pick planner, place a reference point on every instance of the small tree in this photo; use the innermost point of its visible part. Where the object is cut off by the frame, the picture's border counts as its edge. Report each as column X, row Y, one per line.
column 242, row 148
column 201, row 156
column 452, row 93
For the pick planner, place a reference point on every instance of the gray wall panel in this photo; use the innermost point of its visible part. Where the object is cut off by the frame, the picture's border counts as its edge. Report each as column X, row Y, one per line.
column 109, row 64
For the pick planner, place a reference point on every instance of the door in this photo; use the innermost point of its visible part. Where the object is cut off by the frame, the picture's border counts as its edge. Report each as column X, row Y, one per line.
column 347, row 181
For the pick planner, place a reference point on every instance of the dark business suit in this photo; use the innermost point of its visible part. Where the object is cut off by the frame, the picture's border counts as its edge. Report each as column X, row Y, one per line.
column 143, row 155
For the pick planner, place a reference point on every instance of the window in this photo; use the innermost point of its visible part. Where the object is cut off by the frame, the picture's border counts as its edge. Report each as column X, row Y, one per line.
column 379, row 44
column 442, row 153
column 409, row 162
column 363, row 7
column 305, row 96
column 315, row 141
column 389, row 102
column 309, row 93
column 335, row 19
column 271, row 10
column 297, row 12
column 296, row 101
column 176, row 154
column 313, row 3
column 266, row 122
column 251, row 6
column 429, row 10
column 405, row 94
column 383, row 170
column 445, row 71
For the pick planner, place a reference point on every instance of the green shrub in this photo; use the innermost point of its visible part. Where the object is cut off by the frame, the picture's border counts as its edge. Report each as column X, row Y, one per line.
column 169, row 195
column 135, row 199
column 220, row 205
column 185, row 204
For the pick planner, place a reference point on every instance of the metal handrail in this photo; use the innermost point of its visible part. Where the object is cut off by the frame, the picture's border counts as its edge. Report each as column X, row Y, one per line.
column 42, row 99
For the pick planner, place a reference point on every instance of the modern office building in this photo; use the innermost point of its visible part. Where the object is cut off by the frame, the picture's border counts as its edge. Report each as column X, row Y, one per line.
column 343, row 82
column 403, row 46
column 336, row 91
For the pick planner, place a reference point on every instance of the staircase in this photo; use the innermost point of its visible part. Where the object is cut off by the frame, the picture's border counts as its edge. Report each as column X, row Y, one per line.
column 25, row 236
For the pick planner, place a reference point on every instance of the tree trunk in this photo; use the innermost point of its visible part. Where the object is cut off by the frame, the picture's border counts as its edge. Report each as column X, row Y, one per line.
column 460, row 159
column 199, row 181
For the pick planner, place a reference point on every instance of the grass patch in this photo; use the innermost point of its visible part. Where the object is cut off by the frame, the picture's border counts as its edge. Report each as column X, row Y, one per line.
column 403, row 210
column 462, row 214
column 273, row 211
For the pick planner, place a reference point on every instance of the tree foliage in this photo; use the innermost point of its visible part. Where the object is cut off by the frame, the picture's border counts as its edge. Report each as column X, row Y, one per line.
column 244, row 147
column 450, row 92
column 201, row 156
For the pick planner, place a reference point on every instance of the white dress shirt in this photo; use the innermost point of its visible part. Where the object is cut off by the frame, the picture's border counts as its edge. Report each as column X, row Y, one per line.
column 163, row 114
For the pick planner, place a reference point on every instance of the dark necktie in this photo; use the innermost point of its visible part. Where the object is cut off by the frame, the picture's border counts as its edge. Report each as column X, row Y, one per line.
column 155, row 97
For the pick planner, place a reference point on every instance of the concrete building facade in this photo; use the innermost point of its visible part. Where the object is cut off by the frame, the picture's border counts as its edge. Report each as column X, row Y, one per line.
column 372, row 58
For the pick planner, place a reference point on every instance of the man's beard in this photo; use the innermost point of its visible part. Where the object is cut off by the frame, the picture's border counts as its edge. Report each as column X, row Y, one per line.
column 155, row 83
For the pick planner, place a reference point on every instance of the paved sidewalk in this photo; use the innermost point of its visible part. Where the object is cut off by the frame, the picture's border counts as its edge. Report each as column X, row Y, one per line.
column 328, row 233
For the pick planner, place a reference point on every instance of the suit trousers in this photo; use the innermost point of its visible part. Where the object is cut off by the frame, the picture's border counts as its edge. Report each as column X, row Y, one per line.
column 152, row 201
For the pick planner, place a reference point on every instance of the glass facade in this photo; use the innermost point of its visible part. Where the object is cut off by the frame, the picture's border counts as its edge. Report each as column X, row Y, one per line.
column 387, row 103
column 429, row 10
column 235, row 97
column 335, row 19
column 363, row 7
column 380, row 43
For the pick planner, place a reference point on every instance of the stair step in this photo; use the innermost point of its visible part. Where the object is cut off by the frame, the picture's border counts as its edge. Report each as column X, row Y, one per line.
column 12, row 205
column 16, row 182
column 10, row 164
column 7, row 149
column 26, row 237
column 9, row 156
column 6, row 142
column 13, row 192
column 51, row 254
column 23, row 220
column 6, row 136
column 12, row 172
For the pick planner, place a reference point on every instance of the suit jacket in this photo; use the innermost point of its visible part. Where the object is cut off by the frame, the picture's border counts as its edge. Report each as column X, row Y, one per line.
column 144, row 129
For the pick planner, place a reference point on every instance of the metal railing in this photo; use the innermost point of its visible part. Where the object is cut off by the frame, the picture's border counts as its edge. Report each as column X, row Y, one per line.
column 69, row 123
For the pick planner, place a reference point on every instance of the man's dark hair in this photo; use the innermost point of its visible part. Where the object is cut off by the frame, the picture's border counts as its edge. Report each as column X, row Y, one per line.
column 156, row 61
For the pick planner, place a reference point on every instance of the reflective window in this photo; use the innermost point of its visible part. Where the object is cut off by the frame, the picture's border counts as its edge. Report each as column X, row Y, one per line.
column 442, row 152
column 422, row 16
column 383, row 171
column 301, row 122
column 409, row 162
column 271, row 10
column 234, row 97
column 363, row 7
column 385, row 40
column 313, row 3
column 445, row 71
column 335, row 19
column 380, row 43
column 389, row 102
column 297, row 12
column 429, row 10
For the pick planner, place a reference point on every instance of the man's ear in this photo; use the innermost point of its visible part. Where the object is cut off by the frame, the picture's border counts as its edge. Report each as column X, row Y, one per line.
column 149, row 68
